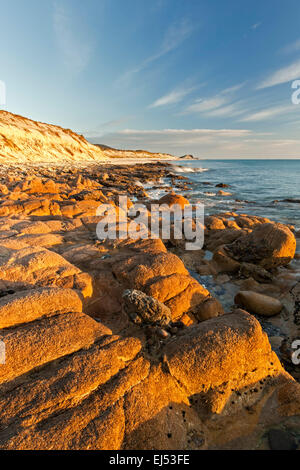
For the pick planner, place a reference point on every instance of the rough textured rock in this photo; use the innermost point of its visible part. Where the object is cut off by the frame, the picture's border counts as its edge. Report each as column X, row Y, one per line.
column 268, row 245
column 37, row 343
column 26, row 306
column 258, row 303
column 164, row 277
column 33, row 266
column 224, row 263
column 204, row 358
column 142, row 308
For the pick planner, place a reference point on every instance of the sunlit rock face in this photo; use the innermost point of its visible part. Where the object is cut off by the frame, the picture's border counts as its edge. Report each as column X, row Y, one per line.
column 26, row 141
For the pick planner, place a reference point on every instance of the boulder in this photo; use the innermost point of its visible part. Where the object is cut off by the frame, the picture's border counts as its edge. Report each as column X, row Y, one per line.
column 172, row 199
column 142, row 308
column 258, row 303
column 225, row 353
column 224, row 263
column 214, row 223
column 269, row 245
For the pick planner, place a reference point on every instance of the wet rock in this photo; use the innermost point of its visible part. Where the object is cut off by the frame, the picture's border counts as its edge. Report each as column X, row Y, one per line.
column 256, row 272
column 223, row 193
column 69, row 383
column 222, row 185
column 281, row 440
column 258, row 303
column 276, row 342
column 224, row 263
column 294, row 201
column 142, row 308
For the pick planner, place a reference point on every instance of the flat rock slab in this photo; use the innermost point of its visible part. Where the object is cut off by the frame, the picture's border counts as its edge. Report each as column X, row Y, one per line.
column 29, row 305
column 33, row 344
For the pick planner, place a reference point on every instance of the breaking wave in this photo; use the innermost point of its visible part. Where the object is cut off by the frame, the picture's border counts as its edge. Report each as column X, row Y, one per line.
column 187, row 169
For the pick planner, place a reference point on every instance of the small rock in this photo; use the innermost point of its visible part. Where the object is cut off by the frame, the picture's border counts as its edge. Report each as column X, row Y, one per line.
column 223, row 193
column 256, row 272
column 163, row 334
column 258, row 303
column 276, row 341
column 209, row 309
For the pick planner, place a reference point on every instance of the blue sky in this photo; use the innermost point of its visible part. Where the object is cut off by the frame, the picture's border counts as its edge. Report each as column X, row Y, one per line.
column 211, row 77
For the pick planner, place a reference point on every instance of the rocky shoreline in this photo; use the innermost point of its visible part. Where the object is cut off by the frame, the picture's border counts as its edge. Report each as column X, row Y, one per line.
column 140, row 344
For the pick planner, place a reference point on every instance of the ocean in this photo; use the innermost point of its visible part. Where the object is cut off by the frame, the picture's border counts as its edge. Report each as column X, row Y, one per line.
column 256, row 187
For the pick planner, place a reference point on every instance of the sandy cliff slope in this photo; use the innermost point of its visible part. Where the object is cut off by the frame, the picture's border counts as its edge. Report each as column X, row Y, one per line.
column 135, row 154
column 23, row 140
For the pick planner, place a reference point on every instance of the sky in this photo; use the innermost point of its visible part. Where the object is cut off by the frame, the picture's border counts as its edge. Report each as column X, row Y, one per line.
column 211, row 78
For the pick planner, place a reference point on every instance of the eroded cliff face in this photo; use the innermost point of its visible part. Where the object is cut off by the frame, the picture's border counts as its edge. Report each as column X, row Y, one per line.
column 24, row 141
column 141, row 154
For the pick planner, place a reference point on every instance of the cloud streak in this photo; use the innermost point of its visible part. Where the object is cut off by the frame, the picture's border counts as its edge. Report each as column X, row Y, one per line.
column 175, row 96
column 269, row 113
column 175, row 35
column 207, row 143
column 290, row 48
column 282, row 75
column 218, row 105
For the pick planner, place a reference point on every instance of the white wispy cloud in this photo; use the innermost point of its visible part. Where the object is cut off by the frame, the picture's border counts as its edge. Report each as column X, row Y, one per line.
column 218, row 105
column 175, row 137
column 282, row 75
column 175, row 35
column 269, row 113
column 233, row 88
column 207, row 104
column 208, row 143
column 290, row 48
column 175, row 96
column 75, row 49
column 230, row 110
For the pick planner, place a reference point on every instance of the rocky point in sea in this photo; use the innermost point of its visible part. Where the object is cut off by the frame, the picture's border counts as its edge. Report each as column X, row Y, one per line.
column 120, row 344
